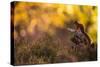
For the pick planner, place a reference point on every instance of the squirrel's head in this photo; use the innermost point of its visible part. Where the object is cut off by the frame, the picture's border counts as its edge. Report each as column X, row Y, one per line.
column 78, row 26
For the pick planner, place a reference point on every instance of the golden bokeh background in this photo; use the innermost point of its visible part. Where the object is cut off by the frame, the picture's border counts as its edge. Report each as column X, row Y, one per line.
column 44, row 15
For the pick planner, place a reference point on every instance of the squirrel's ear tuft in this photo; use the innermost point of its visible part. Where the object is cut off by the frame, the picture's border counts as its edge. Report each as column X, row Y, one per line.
column 76, row 22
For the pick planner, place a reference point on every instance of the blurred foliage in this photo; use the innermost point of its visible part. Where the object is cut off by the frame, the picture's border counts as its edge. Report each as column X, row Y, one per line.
column 44, row 15
column 32, row 20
